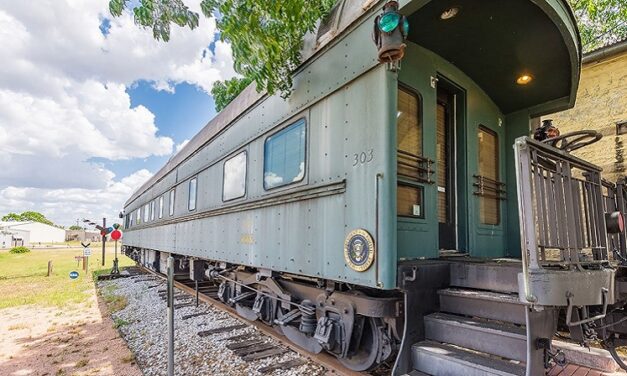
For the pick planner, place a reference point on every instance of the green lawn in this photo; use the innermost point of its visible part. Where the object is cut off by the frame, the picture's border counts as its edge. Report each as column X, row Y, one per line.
column 23, row 276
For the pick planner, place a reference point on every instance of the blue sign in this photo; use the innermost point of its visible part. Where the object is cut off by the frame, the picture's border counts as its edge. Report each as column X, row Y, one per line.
column 73, row 275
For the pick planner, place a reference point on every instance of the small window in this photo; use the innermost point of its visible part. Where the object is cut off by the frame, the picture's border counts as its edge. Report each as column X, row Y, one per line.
column 234, row 177
column 284, row 154
column 408, row 122
column 139, row 216
column 171, row 202
column 152, row 210
column 160, row 207
column 191, row 203
column 489, row 204
column 146, row 212
column 410, row 201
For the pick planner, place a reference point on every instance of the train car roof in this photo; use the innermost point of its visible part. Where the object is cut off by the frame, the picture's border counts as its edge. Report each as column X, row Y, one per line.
column 348, row 13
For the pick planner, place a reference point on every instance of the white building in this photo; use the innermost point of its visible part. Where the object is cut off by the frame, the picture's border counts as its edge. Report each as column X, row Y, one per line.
column 29, row 233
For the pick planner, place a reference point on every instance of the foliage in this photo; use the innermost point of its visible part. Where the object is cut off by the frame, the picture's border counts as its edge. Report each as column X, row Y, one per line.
column 27, row 216
column 266, row 36
column 601, row 22
column 76, row 228
column 21, row 249
column 224, row 92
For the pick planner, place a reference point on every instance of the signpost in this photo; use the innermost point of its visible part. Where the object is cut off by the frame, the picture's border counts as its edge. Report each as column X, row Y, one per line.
column 86, row 254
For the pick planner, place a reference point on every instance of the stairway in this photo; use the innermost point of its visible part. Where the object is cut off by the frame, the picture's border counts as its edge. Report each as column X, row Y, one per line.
column 479, row 330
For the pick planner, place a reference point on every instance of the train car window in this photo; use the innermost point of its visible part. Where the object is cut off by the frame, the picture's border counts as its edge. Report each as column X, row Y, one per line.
column 172, row 202
column 234, row 183
column 160, row 207
column 191, row 203
column 139, row 216
column 152, row 210
column 409, row 123
column 489, row 205
column 409, row 194
column 146, row 212
column 284, row 156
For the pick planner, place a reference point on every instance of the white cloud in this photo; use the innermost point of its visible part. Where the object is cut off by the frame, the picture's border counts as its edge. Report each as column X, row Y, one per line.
column 63, row 99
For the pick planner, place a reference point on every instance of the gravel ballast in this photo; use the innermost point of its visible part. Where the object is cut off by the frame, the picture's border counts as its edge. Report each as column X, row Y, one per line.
column 143, row 324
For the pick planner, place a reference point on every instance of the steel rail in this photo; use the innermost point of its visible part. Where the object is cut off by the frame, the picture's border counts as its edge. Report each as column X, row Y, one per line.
column 327, row 361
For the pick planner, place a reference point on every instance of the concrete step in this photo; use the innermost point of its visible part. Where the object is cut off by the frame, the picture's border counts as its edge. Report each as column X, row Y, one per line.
column 501, row 339
column 485, row 304
column 445, row 360
column 490, row 276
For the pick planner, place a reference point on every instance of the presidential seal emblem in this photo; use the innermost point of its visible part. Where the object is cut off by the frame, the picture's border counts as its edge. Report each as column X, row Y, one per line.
column 359, row 250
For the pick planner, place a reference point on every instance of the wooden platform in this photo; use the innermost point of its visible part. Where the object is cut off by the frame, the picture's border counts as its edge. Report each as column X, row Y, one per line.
column 575, row 370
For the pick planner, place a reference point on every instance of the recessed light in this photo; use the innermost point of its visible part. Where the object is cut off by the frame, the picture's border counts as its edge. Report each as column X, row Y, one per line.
column 524, row 79
column 449, row 13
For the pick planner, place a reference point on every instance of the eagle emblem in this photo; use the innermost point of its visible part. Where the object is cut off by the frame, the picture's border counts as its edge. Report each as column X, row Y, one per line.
column 359, row 250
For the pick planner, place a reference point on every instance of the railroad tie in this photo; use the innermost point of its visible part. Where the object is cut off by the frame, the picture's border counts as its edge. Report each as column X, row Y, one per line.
column 224, row 329
column 285, row 365
column 184, row 305
column 185, row 317
column 242, row 344
column 264, row 354
column 237, row 337
column 254, row 349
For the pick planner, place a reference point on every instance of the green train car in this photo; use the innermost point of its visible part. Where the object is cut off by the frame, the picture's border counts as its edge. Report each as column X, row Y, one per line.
column 379, row 212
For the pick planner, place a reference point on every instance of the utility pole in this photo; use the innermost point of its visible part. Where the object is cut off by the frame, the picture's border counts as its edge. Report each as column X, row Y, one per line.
column 170, row 295
column 104, row 239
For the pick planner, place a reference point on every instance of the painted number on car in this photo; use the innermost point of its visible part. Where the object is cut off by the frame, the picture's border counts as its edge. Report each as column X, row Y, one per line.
column 363, row 158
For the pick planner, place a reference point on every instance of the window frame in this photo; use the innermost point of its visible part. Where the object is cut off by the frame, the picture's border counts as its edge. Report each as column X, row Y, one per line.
column 161, row 206
column 139, row 215
column 245, row 152
column 172, row 201
column 146, row 212
column 305, row 123
column 153, row 204
column 193, row 180
column 497, row 151
column 420, row 116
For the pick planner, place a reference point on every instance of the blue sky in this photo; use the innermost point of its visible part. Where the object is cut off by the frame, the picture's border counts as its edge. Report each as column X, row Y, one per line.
column 179, row 115
column 100, row 107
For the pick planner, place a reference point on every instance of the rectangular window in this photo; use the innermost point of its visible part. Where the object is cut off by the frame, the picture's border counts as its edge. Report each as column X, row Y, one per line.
column 171, row 202
column 152, row 210
column 489, row 204
column 191, row 203
column 284, row 156
column 410, row 169
column 160, row 207
column 234, row 185
column 146, row 212
column 409, row 202
column 139, row 216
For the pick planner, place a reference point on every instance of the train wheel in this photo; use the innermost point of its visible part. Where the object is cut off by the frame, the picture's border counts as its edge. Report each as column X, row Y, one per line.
column 367, row 350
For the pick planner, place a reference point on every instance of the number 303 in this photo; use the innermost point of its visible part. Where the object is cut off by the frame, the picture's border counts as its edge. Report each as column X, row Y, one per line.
column 363, row 157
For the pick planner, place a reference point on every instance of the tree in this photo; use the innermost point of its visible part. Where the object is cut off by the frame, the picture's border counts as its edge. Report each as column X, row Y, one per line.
column 76, row 228
column 601, row 22
column 224, row 92
column 28, row 216
column 266, row 36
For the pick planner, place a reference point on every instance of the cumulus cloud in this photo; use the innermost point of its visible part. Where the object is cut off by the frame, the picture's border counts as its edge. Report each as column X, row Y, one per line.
column 64, row 100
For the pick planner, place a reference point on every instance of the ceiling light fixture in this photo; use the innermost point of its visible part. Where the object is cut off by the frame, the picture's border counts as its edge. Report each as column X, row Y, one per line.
column 524, row 79
column 449, row 13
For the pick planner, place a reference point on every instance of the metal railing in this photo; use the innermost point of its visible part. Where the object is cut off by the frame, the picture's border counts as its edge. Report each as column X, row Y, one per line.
column 562, row 205
column 414, row 167
column 489, row 188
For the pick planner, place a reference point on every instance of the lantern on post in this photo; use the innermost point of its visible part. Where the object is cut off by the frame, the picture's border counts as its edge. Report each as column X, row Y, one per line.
column 390, row 33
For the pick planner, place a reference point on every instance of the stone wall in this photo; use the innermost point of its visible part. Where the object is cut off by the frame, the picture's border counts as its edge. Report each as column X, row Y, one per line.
column 601, row 104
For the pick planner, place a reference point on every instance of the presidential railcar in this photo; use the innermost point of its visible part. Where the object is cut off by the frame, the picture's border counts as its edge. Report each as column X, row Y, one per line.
column 379, row 212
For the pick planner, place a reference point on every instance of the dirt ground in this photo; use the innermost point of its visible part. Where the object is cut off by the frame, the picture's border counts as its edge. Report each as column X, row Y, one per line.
column 78, row 339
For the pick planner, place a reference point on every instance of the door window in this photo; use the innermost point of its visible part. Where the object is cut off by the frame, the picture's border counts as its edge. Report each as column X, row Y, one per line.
column 489, row 204
column 409, row 202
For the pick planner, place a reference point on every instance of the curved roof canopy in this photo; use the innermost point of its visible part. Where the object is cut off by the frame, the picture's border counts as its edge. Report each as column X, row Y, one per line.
column 495, row 42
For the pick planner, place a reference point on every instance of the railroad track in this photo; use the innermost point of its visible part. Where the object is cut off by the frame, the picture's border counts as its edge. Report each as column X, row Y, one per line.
column 248, row 347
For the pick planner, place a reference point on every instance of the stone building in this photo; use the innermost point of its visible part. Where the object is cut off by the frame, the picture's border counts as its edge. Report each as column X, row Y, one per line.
column 602, row 106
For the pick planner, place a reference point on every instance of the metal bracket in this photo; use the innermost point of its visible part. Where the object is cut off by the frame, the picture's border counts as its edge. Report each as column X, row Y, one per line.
column 241, row 297
column 569, row 310
column 288, row 318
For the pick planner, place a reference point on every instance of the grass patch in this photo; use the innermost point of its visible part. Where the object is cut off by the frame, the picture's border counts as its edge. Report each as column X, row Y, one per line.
column 115, row 302
column 118, row 323
column 18, row 326
column 18, row 250
column 128, row 359
column 82, row 363
column 23, row 278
